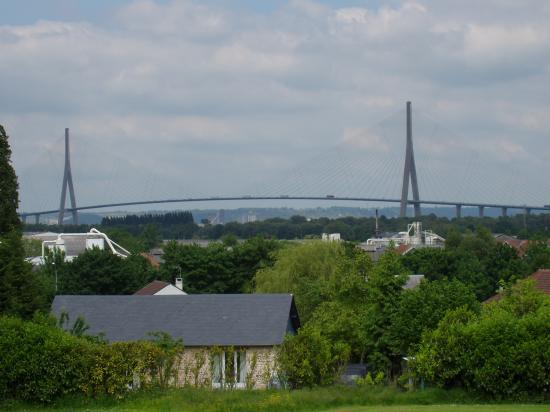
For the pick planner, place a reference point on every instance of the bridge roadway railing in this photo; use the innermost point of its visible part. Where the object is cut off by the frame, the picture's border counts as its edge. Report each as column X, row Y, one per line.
column 481, row 206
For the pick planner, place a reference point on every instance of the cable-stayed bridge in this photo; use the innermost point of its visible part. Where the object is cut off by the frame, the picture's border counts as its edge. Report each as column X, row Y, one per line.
column 376, row 165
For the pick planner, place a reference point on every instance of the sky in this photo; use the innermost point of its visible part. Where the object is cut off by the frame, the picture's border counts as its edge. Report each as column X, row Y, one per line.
column 185, row 98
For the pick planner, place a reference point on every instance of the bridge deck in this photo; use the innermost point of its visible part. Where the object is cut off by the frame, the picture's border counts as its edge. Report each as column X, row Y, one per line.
column 283, row 197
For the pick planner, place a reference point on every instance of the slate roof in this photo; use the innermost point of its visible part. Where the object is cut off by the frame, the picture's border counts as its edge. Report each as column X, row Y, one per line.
column 413, row 281
column 200, row 320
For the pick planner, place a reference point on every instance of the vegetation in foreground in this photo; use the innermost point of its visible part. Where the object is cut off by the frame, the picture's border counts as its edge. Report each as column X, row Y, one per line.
column 333, row 398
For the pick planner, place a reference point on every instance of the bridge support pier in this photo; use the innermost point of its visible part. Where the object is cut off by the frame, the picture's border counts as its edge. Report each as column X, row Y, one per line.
column 37, row 219
column 527, row 211
column 458, row 211
column 504, row 211
column 481, row 211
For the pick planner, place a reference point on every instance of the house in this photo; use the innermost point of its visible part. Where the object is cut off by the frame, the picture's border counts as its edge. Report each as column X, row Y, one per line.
column 158, row 287
column 520, row 245
column 252, row 324
column 542, row 282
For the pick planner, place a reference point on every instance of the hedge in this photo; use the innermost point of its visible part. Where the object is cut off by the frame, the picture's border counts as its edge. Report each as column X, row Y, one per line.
column 41, row 362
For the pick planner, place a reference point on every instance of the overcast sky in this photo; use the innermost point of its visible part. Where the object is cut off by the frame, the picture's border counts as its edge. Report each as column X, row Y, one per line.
column 183, row 98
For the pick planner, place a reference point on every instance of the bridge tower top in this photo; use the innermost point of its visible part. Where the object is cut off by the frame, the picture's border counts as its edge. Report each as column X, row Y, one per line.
column 67, row 181
column 409, row 172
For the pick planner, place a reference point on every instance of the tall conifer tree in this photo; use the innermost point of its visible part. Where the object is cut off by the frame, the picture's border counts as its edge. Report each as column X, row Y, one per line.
column 21, row 291
column 9, row 198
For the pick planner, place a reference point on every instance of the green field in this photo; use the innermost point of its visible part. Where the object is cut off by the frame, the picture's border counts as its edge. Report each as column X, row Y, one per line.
column 340, row 399
column 447, row 408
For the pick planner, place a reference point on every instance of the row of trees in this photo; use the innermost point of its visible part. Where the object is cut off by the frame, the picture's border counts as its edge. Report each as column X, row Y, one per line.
column 163, row 219
column 180, row 225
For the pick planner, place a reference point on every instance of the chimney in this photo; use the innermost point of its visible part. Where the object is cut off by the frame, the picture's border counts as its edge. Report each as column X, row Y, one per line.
column 179, row 283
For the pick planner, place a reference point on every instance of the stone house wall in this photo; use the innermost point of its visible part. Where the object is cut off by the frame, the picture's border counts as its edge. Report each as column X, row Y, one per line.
column 195, row 366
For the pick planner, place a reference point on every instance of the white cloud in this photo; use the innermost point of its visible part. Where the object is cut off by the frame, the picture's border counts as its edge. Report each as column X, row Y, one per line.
column 193, row 84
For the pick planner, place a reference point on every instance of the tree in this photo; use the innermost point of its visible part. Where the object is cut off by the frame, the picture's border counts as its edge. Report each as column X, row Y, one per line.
column 302, row 270
column 9, row 197
column 310, row 359
column 344, row 316
column 21, row 291
column 503, row 352
column 217, row 268
column 99, row 272
column 384, row 287
column 422, row 308
column 537, row 256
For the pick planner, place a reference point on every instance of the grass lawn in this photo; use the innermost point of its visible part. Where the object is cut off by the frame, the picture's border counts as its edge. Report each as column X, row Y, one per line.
column 447, row 408
column 334, row 399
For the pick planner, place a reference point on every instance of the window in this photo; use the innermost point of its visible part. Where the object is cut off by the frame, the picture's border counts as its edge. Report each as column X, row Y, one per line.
column 229, row 371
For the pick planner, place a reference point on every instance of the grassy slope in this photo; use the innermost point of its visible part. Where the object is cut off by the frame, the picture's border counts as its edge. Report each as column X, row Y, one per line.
column 339, row 399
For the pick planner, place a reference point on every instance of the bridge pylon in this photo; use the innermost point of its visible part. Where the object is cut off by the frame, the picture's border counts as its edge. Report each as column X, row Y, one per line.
column 409, row 172
column 67, row 181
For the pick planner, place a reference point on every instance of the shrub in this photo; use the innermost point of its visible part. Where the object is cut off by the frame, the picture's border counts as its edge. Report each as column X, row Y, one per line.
column 504, row 352
column 40, row 362
column 310, row 359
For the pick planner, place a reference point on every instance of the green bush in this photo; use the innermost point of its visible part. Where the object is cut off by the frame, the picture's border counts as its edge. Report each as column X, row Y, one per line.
column 40, row 362
column 504, row 352
column 309, row 359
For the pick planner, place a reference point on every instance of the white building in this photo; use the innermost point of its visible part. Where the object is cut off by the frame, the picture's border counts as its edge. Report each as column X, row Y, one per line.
column 73, row 244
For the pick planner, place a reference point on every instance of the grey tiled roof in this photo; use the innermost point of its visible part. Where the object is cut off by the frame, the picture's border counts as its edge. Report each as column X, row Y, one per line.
column 201, row 320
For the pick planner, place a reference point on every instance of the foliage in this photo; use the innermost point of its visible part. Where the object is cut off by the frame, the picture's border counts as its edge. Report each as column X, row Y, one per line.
column 169, row 218
column 22, row 291
column 368, row 380
column 302, row 270
column 385, row 285
column 476, row 260
column 504, row 352
column 100, row 272
column 40, row 362
column 344, row 315
column 309, row 359
column 163, row 368
column 217, row 268
column 420, row 309
column 9, row 196
column 32, row 247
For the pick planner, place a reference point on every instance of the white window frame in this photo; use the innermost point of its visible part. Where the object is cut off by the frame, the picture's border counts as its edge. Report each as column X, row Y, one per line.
column 237, row 384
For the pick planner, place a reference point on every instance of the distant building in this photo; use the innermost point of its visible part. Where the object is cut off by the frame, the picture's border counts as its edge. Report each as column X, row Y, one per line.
column 520, row 245
column 74, row 244
column 331, row 237
column 414, row 236
column 404, row 242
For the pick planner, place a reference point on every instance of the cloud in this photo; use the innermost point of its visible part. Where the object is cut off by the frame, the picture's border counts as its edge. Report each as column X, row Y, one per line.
column 238, row 96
